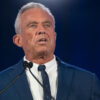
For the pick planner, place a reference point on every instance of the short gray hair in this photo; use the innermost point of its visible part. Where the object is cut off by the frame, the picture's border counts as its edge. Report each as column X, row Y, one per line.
column 26, row 7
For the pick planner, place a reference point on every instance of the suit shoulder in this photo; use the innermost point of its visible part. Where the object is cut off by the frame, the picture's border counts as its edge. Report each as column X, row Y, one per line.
column 9, row 73
column 6, row 72
column 76, row 69
column 5, row 76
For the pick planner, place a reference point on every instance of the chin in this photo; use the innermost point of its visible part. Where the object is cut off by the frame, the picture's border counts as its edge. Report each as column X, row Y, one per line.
column 42, row 49
column 42, row 53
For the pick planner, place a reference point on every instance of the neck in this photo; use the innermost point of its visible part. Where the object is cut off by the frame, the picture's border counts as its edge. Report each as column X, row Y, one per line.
column 40, row 59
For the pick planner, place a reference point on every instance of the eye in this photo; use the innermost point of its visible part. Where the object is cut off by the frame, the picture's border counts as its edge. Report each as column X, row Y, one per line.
column 33, row 25
column 47, row 25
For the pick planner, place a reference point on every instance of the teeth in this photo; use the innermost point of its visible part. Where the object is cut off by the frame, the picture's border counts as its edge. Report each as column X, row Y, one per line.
column 43, row 40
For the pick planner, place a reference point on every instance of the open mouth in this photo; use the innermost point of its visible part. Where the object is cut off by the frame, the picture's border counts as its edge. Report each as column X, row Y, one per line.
column 43, row 40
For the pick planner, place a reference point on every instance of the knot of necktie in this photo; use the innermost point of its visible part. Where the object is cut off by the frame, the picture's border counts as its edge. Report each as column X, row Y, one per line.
column 41, row 68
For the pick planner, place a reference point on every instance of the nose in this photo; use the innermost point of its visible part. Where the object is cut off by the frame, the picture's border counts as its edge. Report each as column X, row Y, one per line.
column 41, row 32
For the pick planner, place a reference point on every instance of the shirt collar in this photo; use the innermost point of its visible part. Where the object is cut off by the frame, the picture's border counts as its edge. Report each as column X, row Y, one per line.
column 49, row 65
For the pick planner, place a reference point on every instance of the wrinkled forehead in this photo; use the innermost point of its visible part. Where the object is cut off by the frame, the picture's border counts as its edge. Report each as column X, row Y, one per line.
column 36, row 13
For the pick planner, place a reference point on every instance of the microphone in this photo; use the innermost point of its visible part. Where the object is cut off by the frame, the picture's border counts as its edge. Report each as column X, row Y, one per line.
column 27, row 64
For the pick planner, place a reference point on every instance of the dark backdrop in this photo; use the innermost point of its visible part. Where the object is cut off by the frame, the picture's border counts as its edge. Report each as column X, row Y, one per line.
column 77, row 27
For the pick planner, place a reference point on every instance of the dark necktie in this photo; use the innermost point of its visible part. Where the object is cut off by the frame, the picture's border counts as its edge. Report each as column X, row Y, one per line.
column 46, row 84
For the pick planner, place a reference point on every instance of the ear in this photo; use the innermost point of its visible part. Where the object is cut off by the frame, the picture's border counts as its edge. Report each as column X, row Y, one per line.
column 17, row 40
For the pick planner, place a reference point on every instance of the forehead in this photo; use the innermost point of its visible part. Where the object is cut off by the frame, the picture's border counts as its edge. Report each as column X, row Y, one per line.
column 36, row 14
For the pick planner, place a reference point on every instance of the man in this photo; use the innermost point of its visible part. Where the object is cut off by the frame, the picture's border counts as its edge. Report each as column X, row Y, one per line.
column 35, row 33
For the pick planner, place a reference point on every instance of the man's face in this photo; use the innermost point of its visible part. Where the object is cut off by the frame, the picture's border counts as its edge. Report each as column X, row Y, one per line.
column 37, row 32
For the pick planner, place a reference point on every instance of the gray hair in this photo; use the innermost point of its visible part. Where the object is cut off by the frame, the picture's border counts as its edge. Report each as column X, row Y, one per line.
column 26, row 7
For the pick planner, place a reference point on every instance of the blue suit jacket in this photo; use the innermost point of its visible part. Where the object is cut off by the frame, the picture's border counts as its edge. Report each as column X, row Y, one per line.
column 73, row 84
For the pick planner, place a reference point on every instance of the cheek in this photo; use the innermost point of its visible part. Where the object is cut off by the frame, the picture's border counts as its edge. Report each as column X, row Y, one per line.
column 53, row 39
column 54, row 36
column 27, row 39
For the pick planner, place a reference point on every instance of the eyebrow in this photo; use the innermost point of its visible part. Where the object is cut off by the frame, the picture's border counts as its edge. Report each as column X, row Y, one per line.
column 49, row 22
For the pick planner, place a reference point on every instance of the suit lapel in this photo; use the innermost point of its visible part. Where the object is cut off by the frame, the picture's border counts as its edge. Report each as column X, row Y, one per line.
column 65, row 77
column 21, row 85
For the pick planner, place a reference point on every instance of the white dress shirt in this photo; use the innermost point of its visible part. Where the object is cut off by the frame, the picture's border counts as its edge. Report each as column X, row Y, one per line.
column 36, row 89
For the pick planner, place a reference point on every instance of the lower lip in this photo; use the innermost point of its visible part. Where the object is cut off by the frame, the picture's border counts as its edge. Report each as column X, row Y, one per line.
column 42, row 42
